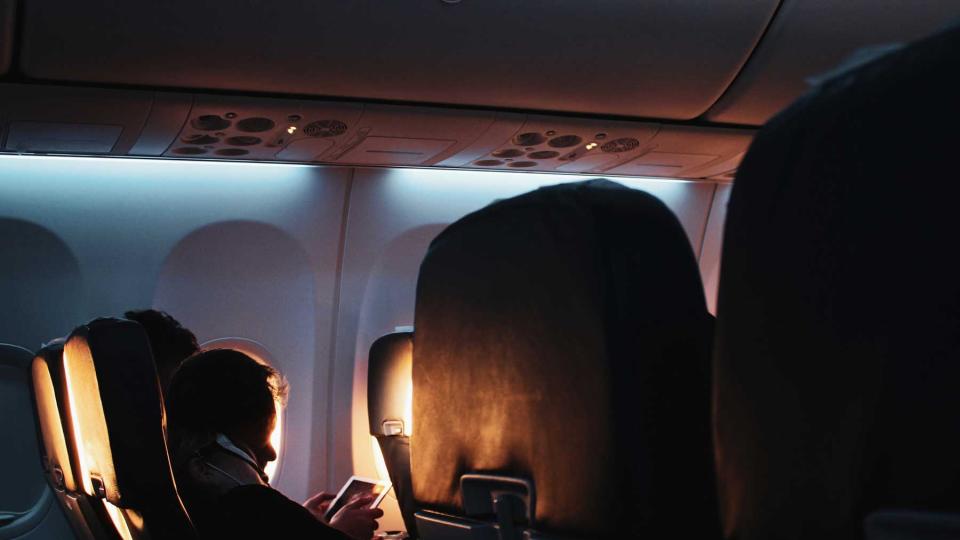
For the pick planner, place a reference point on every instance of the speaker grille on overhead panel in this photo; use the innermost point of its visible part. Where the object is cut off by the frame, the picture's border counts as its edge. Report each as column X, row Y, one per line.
column 619, row 146
column 325, row 128
column 543, row 154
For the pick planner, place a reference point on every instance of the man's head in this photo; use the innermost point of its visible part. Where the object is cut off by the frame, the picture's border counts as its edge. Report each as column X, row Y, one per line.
column 226, row 391
column 170, row 341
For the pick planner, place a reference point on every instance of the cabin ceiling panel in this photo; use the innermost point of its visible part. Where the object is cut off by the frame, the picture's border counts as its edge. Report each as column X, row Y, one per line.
column 58, row 119
column 656, row 58
column 811, row 37
column 689, row 152
column 7, row 18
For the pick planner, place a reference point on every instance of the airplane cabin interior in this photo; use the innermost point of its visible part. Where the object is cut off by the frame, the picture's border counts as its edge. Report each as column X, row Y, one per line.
column 537, row 269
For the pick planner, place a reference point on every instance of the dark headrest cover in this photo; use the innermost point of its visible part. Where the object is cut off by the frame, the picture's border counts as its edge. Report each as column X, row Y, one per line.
column 838, row 352
column 388, row 379
column 562, row 337
column 129, row 394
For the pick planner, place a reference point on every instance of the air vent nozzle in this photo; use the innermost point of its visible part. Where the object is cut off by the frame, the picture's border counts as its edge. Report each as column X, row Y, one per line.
column 210, row 122
column 531, row 138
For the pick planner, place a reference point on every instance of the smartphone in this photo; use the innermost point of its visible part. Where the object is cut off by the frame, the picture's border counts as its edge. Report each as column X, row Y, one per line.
column 354, row 487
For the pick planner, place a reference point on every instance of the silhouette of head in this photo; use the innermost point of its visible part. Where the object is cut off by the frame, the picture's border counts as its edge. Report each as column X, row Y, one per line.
column 170, row 342
column 226, row 391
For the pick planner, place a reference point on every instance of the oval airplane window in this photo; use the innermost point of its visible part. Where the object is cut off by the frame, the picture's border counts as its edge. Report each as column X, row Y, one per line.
column 258, row 352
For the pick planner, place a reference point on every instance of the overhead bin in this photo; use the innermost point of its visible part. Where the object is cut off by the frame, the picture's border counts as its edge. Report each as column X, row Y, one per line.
column 654, row 59
column 810, row 37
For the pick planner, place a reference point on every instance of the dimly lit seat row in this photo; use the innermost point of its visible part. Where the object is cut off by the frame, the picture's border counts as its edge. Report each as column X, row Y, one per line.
column 561, row 380
column 103, row 430
column 564, row 379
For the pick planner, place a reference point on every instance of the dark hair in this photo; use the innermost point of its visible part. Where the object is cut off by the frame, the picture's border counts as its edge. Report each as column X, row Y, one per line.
column 170, row 342
column 221, row 391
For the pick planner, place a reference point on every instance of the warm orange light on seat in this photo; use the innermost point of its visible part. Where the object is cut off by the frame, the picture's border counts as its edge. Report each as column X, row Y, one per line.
column 52, row 429
column 119, row 521
column 86, row 417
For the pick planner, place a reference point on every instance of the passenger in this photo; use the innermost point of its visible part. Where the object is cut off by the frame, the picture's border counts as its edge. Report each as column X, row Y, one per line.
column 222, row 410
column 170, row 342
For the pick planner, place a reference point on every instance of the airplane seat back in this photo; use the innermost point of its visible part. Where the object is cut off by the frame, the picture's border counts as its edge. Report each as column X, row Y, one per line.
column 388, row 406
column 117, row 416
column 561, row 372
column 50, row 401
column 836, row 368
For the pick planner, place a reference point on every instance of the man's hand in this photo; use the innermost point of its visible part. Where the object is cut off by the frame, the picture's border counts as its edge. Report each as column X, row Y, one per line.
column 356, row 520
column 319, row 504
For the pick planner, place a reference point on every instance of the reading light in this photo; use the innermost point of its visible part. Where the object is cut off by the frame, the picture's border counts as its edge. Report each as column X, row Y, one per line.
column 291, row 129
column 591, row 146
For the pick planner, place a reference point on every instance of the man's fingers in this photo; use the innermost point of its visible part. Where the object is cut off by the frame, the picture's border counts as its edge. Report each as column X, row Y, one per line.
column 319, row 499
column 359, row 502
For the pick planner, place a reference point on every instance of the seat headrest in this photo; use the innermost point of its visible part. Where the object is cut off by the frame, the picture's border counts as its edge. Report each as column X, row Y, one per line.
column 839, row 306
column 117, row 412
column 562, row 337
column 389, row 385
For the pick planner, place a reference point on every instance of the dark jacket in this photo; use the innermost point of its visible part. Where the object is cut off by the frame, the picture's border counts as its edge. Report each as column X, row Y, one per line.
column 227, row 496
